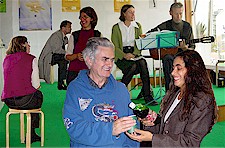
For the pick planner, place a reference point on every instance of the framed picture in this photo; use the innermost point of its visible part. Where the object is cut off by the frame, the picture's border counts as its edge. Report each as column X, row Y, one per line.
column 70, row 5
column 118, row 4
column 35, row 15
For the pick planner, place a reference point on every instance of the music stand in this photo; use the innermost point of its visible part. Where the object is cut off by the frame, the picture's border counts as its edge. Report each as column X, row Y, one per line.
column 158, row 40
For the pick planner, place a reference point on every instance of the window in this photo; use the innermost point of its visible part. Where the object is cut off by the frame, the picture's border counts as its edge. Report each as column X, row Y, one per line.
column 209, row 21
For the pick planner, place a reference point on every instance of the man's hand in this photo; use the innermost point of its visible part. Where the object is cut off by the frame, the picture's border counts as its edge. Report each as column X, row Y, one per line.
column 183, row 45
column 122, row 125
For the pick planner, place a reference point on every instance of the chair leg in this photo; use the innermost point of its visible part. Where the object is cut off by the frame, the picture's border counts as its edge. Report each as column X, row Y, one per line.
column 28, row 135
column 129, row 88
column 7, row 129
column 52, row 75
column 22, row 138
column 42, row 128
column 154, row 75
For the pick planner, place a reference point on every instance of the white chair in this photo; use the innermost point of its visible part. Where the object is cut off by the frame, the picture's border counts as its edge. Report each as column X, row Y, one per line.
column 28, row 129
column 157, row 67
column 52, row 74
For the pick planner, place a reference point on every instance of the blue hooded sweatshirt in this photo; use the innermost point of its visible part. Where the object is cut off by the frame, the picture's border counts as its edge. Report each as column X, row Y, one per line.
column 89, row 113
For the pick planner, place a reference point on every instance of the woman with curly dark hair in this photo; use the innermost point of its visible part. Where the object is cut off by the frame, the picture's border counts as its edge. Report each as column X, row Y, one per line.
column 188, row 111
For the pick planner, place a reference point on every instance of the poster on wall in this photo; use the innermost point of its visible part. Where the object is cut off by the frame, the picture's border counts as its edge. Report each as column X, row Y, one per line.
column 119, row 3
column 35, row 15
column 2, row 6
column 70, row 5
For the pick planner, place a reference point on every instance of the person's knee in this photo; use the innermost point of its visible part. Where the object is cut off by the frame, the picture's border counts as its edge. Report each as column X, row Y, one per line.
column 142, row 62
column 132, row 68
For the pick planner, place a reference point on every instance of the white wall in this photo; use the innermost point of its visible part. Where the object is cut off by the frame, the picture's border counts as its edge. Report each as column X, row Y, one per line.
column 148, row 16
column 2, row 55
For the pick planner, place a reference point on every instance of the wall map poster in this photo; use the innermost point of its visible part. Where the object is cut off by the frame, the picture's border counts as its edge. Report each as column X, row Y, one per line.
column 35, row 15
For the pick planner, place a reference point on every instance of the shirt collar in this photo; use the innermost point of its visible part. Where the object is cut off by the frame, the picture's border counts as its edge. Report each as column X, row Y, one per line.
column 63, row 34
column 92, row 83
column 133, row 24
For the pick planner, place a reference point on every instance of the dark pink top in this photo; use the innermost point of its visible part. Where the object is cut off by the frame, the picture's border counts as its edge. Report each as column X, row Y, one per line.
column 77, row 65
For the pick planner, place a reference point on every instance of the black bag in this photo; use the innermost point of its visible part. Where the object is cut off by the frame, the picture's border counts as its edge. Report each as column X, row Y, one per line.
column 128, row 49
column 57, row 58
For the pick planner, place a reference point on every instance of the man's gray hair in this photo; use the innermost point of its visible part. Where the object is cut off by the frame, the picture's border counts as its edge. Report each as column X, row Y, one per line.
column 92, row 46
column 176, row 5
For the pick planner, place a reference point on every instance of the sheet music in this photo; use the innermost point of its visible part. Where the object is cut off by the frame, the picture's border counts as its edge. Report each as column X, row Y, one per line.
column 158, row 39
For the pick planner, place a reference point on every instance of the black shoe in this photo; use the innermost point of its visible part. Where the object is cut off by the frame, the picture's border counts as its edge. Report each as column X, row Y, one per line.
column 34, row 138
column 62, row 87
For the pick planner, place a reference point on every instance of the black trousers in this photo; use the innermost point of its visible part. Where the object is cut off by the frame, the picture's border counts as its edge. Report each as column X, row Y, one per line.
column 130, row 68
column 167, row 61
column 71, row 75
column 31, row 101
column 62, row 66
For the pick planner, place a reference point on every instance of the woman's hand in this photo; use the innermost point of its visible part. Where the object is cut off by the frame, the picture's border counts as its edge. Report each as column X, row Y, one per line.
column 80, row 57
column 140, row 135
column 150, row 118
column 142, row 35
column 129, row 56
column 147, row 122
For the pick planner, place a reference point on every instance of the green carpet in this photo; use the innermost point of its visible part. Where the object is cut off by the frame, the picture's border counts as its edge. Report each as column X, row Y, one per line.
column 56, row 135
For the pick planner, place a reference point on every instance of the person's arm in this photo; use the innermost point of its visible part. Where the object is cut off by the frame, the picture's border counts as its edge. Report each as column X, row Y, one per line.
column 160, row 27
column 69, row 51
column 138, row 33
column 56, row 43
column 35, row 74
column 79, row 129
column 116, row 38
column 190, row 133
column 191, row 46
column 70, row 56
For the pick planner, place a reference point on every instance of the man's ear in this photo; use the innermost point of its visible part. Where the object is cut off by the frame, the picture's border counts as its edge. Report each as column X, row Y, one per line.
column 89, row 61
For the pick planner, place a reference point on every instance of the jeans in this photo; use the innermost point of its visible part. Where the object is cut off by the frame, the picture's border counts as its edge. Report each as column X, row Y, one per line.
column 31, row 101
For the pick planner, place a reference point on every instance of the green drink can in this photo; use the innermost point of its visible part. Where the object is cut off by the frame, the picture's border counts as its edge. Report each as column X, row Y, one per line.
column 133, row 127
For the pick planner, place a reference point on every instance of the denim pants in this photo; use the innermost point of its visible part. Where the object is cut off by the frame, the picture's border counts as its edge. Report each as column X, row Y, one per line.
column 31, row 101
